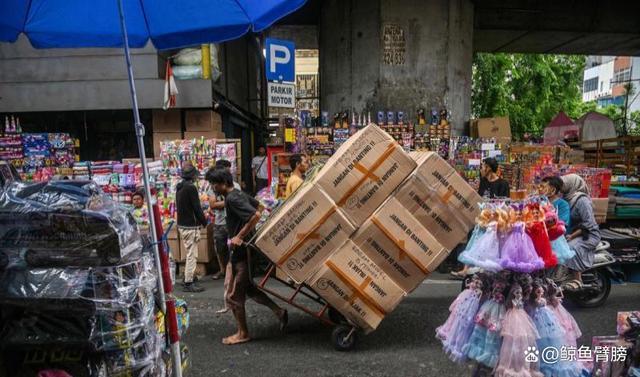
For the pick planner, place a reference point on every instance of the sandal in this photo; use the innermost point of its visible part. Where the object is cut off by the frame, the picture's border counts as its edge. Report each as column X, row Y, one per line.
column 572, row 285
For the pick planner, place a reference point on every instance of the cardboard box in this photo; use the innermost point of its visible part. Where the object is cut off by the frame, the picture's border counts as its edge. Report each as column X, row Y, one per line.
column 203, row 120
column 451, row 188
column 414, row 240
column 356, row 287
column 166, row 121
column 163, row 136
column 425, row 204
column 600, row 209
column 175, row 247
column 343, row 297
column 365, row 274
column 304, row 232
column 363, row 172
column 386, row 254
column 498, row 128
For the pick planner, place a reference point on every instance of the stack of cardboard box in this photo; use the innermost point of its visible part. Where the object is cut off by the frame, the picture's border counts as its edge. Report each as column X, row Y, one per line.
column 371, row 225
column 203, row 123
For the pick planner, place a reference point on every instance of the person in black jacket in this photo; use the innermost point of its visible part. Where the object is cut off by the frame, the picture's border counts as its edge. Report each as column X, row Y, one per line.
column 190, row 219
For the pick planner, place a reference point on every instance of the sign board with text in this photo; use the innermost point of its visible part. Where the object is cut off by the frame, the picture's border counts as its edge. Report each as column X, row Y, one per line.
column 281, row 95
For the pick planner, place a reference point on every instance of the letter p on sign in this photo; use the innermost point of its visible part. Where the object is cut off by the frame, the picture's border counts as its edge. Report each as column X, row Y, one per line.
column 280, row 61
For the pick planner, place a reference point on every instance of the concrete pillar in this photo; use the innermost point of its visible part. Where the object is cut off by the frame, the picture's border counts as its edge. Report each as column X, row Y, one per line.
column 435, row 70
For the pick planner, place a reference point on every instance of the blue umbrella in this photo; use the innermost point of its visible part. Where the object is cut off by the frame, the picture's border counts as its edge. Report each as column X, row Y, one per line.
column 132, row 23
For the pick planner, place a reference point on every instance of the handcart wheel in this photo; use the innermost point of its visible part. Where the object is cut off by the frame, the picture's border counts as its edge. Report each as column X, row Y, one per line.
column 344, row 338
column 336, row 317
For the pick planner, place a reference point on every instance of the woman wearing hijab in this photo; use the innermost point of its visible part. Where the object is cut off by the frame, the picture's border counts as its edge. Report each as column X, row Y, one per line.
column 584, row 235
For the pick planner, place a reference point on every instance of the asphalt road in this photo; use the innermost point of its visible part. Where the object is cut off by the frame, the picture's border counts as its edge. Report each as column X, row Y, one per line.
column 403, row 345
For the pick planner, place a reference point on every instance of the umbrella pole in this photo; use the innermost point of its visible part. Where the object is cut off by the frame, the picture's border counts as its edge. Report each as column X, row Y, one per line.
column 139, row 127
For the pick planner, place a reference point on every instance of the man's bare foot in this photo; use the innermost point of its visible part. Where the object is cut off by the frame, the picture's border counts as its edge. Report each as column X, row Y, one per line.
column 222, row 311
column 235, row 339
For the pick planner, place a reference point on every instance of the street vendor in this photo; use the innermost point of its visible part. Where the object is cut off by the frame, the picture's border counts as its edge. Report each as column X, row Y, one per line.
column 491, row 185
column 243, row 213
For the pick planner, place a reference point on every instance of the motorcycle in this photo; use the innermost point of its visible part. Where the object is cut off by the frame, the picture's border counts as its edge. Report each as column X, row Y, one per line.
column 596, row 281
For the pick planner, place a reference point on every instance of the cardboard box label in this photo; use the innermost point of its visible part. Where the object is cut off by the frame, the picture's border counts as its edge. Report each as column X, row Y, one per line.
column 451, row 187
column 382, row 251
column 301, row 235
column 433, row 213
column 371, row 282
column 342, row 296
column 417, row 244
column 363, row 172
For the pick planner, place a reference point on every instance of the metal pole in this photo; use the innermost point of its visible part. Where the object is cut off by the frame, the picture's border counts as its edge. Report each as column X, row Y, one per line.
column 139, row 127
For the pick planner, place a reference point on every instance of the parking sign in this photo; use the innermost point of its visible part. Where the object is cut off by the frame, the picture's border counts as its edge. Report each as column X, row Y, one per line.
column 280, row 60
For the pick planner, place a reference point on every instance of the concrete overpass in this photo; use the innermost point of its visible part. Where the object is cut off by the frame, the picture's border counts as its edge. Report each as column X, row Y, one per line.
column 438, row 41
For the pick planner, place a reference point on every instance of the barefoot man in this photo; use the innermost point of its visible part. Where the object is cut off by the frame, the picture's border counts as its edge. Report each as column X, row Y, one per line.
column 243, row 213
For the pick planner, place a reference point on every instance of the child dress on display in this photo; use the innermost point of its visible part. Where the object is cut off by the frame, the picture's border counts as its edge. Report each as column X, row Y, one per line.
column 556, row 229
column 537, row 231
column 485, row 252
column 566, row 320
column 518, row 252
column 484, row 344
column 519, row 336
column 552, row 335
column 456, row 331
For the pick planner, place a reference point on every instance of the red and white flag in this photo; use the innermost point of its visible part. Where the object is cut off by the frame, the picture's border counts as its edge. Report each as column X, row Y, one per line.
column 170, row 89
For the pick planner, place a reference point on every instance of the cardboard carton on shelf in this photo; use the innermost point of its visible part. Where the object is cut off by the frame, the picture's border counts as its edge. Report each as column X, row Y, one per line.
column 357, row 287
column 166, row 121
column 497, row 127
column 363, row 172
column 450, row 187
column 203, row 120
column 304, row 232
column 435, row 214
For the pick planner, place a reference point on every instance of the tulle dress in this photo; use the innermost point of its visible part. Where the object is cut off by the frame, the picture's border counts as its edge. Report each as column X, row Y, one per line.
column 457, row 329
column 541, row 242
column 553, row 335
column 485, row 341
column 485, row 252
column 568, row 323
column 478, row 231
column 561, row 248
column 519, row 334
column 443, row 331
column 518, row 253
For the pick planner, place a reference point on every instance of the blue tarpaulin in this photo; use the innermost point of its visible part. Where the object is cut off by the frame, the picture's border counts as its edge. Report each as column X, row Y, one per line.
column 167, row 23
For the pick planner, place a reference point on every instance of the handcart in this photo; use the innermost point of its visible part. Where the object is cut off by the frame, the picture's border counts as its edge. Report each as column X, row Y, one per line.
column 344, row 334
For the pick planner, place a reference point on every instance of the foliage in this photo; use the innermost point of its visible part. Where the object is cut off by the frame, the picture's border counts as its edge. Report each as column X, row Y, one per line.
column 529, row 88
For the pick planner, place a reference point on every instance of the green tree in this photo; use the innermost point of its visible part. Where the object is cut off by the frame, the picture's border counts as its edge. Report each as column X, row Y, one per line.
column 529, row 88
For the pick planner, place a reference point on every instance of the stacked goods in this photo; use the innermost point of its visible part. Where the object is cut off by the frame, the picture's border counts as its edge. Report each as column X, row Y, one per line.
column 73, row 265
column 370, row 225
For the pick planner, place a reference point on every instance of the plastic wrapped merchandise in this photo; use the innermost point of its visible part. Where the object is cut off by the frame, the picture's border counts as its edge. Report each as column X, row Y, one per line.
column 75, row 276
column 187, row 72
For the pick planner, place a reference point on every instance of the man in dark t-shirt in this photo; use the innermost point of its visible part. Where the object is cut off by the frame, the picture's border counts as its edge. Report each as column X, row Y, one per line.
column 243, row 213
column 491, row 185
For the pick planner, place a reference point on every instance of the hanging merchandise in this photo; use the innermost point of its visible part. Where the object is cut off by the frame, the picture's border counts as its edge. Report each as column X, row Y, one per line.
column 512, row 244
